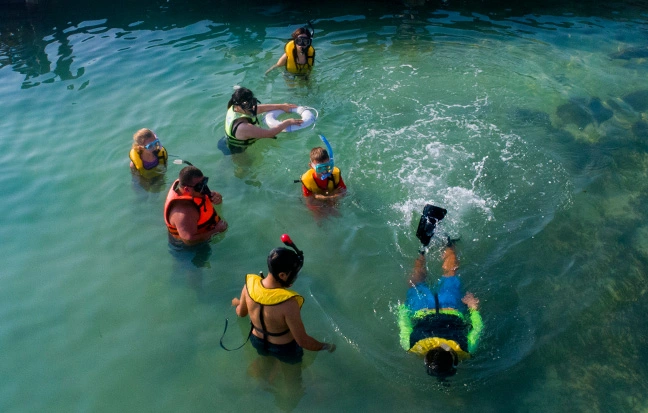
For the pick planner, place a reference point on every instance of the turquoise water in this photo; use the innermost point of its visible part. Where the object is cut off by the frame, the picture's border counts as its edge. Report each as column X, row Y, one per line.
column 530, row 125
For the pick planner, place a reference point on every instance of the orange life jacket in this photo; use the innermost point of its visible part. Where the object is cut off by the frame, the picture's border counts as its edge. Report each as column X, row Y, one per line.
column 208, row 217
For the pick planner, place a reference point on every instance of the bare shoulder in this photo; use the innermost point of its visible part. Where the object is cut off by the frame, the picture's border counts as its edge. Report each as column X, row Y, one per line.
column 183, row 207
column 289, row 307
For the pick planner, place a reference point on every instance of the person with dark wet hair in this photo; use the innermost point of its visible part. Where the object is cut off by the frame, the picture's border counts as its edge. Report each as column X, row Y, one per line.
column 299, row 54
column 274, row 310
column 441, row 326
column 241, row 122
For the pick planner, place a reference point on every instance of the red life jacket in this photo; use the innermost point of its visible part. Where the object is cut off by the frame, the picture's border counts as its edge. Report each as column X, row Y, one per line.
column 208, row 217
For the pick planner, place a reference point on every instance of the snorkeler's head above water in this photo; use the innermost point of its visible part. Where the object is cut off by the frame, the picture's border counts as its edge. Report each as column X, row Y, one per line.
column 244, row 98
column 284, row 261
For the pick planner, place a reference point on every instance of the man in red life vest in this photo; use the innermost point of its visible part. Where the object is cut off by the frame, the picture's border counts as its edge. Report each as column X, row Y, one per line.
column 189, row 211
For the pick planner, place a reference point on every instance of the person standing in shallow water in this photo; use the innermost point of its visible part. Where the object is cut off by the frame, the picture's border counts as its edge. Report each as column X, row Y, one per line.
column 148, row 157
column 323, row 180
column 274, row 310
column 437, row 325
column 299, row 54
column 189, row 211
column 241, row 121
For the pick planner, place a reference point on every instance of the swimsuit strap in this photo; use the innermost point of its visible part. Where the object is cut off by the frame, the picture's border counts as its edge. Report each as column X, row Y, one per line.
column 264, row 330
column 269, row 334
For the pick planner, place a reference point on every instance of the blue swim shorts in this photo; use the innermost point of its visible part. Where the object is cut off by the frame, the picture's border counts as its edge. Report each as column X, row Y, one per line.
column 290, row 353
column 448, row 288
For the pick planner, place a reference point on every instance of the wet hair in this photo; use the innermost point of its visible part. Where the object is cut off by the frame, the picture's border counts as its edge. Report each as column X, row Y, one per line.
column 284, row 260
column 240, row 96
column 301, row 31
column 319, row 155
column 441, row 363
column 142, row 136
column 188, row 174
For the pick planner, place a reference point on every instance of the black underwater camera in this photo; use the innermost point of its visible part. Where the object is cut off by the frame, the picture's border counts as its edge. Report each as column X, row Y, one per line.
column 430, row 217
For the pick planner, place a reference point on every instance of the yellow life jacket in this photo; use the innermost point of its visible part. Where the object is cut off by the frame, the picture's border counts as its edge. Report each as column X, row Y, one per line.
column 291, row 63
column 308, row 180
column 423, row 346
column 231, row 118
column 158, row 170
column 268, row 296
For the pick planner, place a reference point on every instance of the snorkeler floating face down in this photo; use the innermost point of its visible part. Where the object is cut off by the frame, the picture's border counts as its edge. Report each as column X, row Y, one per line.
column 441, row 362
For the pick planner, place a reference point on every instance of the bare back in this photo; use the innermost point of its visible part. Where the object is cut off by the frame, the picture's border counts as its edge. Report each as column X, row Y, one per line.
column 274, row 317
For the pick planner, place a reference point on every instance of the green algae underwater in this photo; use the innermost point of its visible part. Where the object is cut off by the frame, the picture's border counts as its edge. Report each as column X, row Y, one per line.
column 528, row 123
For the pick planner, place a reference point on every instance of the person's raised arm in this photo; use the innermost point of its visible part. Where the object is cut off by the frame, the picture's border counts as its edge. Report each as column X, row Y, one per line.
column 298, row 331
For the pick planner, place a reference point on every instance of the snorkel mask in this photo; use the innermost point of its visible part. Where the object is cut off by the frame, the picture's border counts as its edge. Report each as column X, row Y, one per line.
column 326, row 169
column 303, row 41
column 154, row 145
column 250, row 105
column 285, row 260
column 202, row 187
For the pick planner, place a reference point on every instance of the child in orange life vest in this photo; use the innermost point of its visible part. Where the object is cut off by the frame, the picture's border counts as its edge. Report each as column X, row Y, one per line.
column 323, row 180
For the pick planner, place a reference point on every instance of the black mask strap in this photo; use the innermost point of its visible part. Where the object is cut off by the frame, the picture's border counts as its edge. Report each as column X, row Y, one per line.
column 312, row 29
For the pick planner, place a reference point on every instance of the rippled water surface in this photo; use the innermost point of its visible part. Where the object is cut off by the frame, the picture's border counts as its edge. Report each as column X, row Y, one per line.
column 528, row 123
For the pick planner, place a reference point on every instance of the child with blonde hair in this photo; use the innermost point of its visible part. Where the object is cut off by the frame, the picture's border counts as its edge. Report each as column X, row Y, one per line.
column 148, row 156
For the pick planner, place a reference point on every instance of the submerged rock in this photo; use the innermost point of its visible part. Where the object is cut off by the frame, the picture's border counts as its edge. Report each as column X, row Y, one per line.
column 599, row 112
column 638, row 100
column 574, row 113
column 530, row 117
column 640, row 129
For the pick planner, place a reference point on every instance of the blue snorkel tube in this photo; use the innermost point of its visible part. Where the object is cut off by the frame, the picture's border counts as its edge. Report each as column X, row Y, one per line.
column 330, row 152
